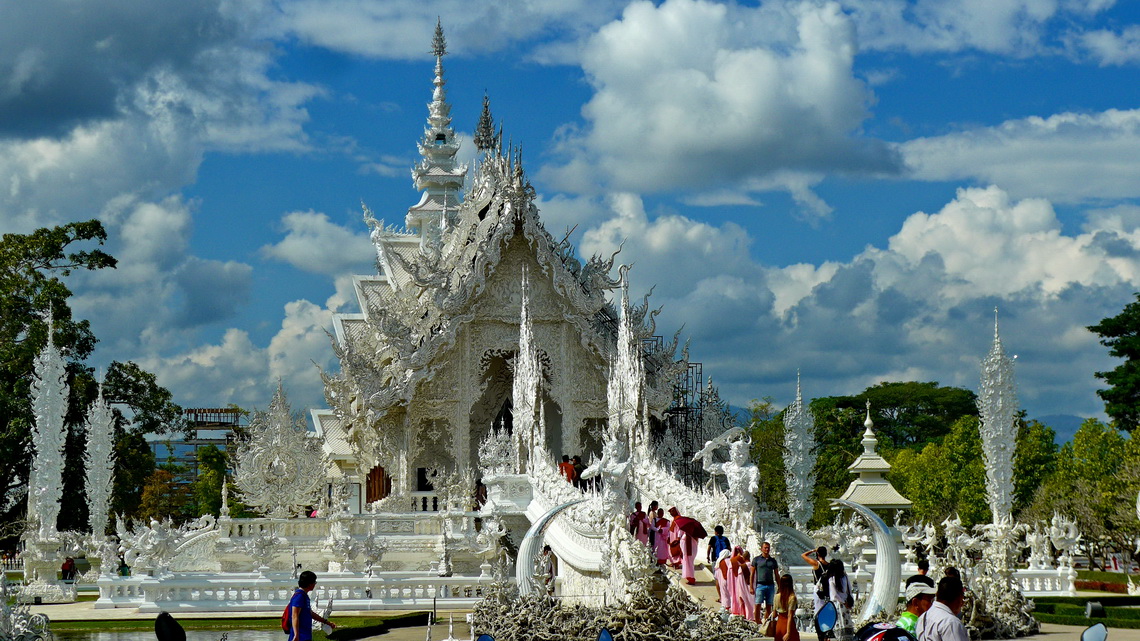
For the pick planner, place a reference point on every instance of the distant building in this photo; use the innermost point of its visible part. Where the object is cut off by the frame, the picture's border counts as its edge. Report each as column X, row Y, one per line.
column 206, row 426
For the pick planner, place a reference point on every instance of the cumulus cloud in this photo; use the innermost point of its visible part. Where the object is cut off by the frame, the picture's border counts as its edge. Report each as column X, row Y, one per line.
column 918, row 308
column 1007, row 27
column 697, row 95
column 315, row 244
column 1107, row 47
column 402, row 29
column 1067, row 157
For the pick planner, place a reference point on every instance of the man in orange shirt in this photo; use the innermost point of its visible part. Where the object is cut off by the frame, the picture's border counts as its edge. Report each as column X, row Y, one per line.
column 566, row 468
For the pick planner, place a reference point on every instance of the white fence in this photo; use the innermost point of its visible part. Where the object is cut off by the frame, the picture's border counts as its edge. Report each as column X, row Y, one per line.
column 256, row 593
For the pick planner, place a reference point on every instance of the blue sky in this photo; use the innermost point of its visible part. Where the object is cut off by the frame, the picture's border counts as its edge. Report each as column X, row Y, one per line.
column 844, row 188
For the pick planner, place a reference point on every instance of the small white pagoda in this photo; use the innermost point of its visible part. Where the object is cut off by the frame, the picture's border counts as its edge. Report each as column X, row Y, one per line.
column 870, row 488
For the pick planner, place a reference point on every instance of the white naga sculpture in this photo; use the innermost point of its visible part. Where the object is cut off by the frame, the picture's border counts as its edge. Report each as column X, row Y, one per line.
column 49, row 404
column 281, row 469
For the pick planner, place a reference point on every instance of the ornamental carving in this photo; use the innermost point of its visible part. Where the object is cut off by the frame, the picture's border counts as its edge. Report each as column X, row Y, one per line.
column 281, row 469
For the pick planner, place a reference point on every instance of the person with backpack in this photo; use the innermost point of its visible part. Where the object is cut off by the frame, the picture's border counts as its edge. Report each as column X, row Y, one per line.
column 297, row 619
column 817, row 559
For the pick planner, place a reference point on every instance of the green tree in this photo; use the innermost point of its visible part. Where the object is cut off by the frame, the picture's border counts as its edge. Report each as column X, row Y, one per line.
column 134, row 464
column 1095, row 482
column 1034, row 461
column 767, row 432
column 947, row 478
column 1121, row 335
column 207, row 487
column 163, row 497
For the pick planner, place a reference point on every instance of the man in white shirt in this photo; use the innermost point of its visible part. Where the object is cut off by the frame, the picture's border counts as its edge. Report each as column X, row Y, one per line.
column 941, row 622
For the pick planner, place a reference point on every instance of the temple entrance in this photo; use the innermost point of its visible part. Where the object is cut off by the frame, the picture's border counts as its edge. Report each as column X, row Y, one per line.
column 377, row 485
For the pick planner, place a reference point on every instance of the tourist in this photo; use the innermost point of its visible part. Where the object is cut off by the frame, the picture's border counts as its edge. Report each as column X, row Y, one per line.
column 744, row 603
column 67, row 570
column 651, row 519
column 639, row 524
column 765, row 571
column 299, row 613
column 566, row 469
column 546, row 569
column 578, row 469
column 941, row 622
column 124, row 569
column 717, row 543
column 952, row 571
column 786, row 604
column 684, row 533
column 722, row 572
column 817, row 559
column 661, row 537
column 921, row 577
column 919, row 597
column 839, row 589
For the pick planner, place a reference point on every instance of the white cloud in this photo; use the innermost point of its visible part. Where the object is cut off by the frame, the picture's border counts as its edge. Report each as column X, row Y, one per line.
column 918, row 308
column 1019, row 28
column 697, row 95
column 1107, row 47
column 1067, row 157
column 315, row 244
column 402, row 29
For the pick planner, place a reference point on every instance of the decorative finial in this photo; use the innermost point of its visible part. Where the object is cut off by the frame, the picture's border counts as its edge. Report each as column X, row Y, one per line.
column 868, row 423
column 485, row 130
column 995, row 321
column 438, row 42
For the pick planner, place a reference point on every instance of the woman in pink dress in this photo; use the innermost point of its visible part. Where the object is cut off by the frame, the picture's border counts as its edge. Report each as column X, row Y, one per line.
column 722, row 570
column 743, row 600
column 661, row 537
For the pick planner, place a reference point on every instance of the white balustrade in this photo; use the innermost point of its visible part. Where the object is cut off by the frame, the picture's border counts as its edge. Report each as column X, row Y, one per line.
column 251, row 592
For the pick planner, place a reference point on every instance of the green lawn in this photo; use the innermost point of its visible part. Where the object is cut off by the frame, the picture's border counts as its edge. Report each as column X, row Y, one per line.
column 1107, row 577
column 1071, row 611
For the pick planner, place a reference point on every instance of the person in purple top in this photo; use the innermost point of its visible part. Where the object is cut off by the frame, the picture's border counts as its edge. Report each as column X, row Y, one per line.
column 301, row 614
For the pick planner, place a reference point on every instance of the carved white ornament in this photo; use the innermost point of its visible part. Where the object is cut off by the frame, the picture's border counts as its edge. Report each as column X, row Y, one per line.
column 280, row 470
column 100, row 459
column 997, row 405
column 49, row 406
column 799, row 459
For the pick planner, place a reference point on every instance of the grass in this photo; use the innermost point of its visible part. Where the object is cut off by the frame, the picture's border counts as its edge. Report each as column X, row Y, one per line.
column 1071, row 611
column 1106, row 577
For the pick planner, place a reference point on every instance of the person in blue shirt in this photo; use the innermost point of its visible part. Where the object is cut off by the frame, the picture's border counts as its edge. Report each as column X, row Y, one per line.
column 301, row 614
column 717, row 544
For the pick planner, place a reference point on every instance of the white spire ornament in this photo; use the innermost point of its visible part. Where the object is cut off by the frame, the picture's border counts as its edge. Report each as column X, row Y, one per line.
column 627, row 379
column 799, row 459
column 438, row 175
column 49, row 405
column 527, row 386
column 100, row 459
column 997, row 406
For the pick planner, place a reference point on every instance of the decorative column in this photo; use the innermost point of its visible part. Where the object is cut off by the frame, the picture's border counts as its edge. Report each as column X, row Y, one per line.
column 799, row 459
column 997, row 405
column 100, row 459
column 49, row 404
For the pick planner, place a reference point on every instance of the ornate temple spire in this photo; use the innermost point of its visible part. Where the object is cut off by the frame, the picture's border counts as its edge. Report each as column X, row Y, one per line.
column 627, row 378
column 485, row 129
column 437, row 175
column 799, row 458
column 997, row 406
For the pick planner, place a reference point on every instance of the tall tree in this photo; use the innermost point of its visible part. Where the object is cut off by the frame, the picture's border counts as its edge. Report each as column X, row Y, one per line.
column 767, row 433
column 1121, row 335
column 207, row 485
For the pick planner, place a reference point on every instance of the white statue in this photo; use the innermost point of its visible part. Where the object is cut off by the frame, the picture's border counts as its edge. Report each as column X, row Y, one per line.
column 613, row 469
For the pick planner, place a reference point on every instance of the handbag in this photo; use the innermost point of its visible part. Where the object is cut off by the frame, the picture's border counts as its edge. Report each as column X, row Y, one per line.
column 770, row 628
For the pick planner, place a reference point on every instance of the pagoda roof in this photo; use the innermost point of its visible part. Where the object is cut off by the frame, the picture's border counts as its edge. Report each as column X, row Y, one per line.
column 875, row 495
column 326, row 424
